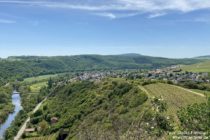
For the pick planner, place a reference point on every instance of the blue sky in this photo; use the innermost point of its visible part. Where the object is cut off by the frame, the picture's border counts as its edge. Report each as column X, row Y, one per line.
column 168, row 28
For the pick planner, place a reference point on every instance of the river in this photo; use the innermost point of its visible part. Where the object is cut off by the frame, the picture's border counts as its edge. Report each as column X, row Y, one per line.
column 16, row 101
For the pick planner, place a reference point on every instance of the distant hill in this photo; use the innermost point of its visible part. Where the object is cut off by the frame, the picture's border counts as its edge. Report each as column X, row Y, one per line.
column 29, row 66
column 203, row 57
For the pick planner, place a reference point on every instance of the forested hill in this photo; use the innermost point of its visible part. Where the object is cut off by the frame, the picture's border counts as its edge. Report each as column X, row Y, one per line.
column 27, row 66
column 203, row 57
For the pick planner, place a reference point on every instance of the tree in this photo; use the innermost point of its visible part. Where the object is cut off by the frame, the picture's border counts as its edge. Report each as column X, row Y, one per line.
column 50, row 83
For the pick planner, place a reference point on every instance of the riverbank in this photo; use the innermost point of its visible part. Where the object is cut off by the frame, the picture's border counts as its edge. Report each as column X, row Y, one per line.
column 16, row 101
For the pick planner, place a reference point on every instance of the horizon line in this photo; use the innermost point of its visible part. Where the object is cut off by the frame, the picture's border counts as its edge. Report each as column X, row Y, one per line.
column 25, row 55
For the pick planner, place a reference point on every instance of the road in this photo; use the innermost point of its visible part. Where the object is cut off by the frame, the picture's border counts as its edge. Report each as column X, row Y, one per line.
column 22, row 129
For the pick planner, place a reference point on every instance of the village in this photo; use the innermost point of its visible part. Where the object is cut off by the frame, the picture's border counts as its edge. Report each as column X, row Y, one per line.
column 173, row 74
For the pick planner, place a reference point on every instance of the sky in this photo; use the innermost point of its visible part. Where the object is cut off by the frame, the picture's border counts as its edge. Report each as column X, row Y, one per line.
column 166, row 28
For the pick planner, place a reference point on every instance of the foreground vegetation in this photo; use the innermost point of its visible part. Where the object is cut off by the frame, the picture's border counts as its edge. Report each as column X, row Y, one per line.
column 116, row 109
column 89, row 109
column 5, row 102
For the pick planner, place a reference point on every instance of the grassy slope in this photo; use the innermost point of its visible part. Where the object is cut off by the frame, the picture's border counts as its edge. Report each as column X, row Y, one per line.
column 199, row 67
column 175, row 97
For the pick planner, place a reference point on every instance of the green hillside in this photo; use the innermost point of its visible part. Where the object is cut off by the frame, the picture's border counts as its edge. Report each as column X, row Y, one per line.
column 198, row 67
column 203, row 57
column 84, row 107
column 30, row 66
column 175, row 97
column 189, row 109
column 111, row 109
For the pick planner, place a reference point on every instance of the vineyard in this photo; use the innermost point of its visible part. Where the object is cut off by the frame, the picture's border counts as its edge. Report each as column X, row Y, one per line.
column 199, row 67
column 174, row 96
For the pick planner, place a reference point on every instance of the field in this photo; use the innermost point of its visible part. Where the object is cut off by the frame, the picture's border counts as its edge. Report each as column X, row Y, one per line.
column 35, row 88
column 199, row 67
column 174, row 96
column 39, row 78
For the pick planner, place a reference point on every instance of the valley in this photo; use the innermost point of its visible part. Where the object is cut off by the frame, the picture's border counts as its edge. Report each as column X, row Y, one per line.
column 107, row 102
column 104, row 70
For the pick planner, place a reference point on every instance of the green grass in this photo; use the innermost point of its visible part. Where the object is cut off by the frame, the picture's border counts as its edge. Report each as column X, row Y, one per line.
column 39, row 78
column 199, row 67
column 35, row 88
column 175, row 97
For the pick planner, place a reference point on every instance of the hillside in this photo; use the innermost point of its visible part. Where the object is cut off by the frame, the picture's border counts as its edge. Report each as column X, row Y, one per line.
column 87, row 109
column 28, row 66
column 175, row 97
column 111, row 109
column 203, row 57
column 198, row 67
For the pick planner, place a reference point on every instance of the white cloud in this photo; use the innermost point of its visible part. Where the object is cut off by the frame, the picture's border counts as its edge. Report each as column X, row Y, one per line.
column 5, row 21
column 109, row 15
column 154, row 8
column 155, row 15
column 115, row 15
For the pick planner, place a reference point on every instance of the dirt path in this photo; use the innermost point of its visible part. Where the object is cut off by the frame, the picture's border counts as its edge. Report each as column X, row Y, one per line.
column 144, row 90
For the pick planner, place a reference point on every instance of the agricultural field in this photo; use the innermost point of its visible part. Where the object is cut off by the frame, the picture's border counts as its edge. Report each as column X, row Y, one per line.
column 199, row 67
column 175, row 97
column 39, row 78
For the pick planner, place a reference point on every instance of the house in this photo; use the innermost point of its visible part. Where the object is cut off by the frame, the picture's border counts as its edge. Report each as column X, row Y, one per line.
column 29, row 130
column 54, row 120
